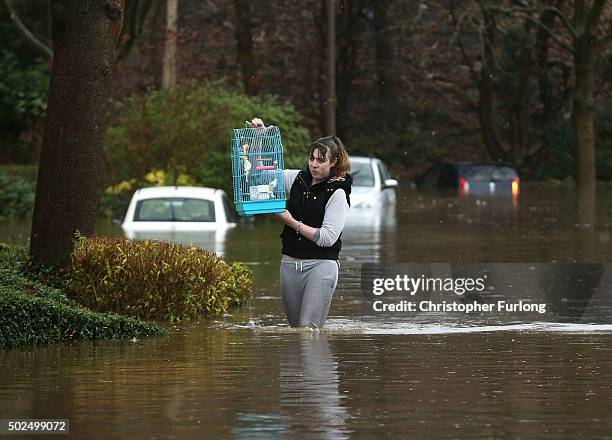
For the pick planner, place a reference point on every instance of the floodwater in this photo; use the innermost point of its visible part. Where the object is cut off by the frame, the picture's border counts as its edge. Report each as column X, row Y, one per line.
column 428, row 375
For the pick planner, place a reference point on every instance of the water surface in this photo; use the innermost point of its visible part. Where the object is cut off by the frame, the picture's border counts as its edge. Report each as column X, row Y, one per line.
column 247, row 375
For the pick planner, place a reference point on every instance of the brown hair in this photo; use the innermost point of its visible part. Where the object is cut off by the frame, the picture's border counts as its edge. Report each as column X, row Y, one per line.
column 337, row 151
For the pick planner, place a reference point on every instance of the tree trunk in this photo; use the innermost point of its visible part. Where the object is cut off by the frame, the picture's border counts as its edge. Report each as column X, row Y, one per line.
column 84, row 38
column 585, row 48
column 135, row 15
column 387, row 96
column 330, row 108
column 244, row 39
column 486, row 93
column 586, row 206
column 169, row 72
column 541, row 55
column 585, row 243
column 584, row 120
column 349, row 24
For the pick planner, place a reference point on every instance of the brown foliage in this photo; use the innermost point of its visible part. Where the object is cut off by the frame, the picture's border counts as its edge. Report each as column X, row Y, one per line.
column 155, row 280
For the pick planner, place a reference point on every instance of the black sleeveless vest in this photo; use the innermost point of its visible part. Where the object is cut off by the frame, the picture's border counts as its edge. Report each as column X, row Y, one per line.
column 307, row 203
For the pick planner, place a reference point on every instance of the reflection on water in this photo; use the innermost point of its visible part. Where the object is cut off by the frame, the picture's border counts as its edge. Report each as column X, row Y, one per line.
column 550, row 224
column 213, row 241
column 206, row 382
column 309, row 402
column 309, row 385
column 369, row 234
column 247, row 375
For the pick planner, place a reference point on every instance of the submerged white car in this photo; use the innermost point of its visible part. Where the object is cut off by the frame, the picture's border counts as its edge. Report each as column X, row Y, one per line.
column 161, row 212
column 372, row 183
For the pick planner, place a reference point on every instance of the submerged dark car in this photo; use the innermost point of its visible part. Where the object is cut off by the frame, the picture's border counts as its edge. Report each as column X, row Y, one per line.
column 477, row 178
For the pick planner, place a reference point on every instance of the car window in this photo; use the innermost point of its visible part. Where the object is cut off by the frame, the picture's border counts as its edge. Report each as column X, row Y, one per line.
column 489, row 172
column 229, row 212
column 504, row 173
column 384, row 173
column 362, row 174
column 175, row 209
column 478, row 172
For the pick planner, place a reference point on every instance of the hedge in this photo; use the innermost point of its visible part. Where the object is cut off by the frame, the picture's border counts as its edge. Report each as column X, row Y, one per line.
column 34, row 313
column 153, row 279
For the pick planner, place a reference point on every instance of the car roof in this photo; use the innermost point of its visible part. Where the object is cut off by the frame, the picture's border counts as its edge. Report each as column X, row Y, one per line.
column 470, row 163
column 478, row 163
column 361, row 159
column 175, row 191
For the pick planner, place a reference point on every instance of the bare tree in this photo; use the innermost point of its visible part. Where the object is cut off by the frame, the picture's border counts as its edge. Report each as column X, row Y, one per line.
column 573, row 27
column 586, row 44
column 84, row 37
column 330, row 108
column 244, row 38
column 501, row 78
column 351, row 24
column 387, row 93
column 169, row 72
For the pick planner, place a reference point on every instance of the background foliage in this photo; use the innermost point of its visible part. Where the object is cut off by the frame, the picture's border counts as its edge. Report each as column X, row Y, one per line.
column 23, row 101
column 410, row 98
column 17, row 186
column 182, row 136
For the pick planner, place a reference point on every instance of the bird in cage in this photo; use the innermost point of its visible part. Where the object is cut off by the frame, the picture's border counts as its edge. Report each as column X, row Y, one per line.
column 272, row 185
column 246, row 164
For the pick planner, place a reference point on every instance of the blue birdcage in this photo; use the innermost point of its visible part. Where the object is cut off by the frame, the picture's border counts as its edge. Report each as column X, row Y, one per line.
column 257, row 170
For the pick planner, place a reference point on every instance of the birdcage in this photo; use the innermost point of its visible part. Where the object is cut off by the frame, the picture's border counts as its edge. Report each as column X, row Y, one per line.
column 257, row 170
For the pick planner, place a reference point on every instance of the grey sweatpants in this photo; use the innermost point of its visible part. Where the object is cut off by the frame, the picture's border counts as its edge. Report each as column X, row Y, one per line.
column 307, row 287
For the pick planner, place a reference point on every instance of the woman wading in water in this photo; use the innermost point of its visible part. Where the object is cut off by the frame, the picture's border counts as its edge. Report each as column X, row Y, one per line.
column 318, row 200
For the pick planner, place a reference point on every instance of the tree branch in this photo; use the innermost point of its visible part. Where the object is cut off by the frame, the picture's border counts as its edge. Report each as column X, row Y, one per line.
column 26, row 34
column 563, row 19
column 524, row 14
column 550, row 32
column 594, row 16
column 457, row 37
column 519, row 12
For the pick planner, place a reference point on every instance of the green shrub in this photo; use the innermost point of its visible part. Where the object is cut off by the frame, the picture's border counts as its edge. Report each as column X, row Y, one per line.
column 155, row 280
column 186, row 130
column 28, row 319
column 17, row 191
column 23, row 102
column 33, row 313
column 16, row 274
column 23, row 88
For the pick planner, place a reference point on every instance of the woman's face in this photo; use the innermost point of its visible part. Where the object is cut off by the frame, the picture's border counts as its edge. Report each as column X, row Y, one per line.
column 320, row 165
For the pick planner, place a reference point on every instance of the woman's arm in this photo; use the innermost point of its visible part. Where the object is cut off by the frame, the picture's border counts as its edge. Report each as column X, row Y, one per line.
column 305, row 230
column 288, row 179
column 334, row 219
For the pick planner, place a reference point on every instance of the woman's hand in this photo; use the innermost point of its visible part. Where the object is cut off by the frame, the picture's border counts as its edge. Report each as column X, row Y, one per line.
column 285, row 217
column 255, row 122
